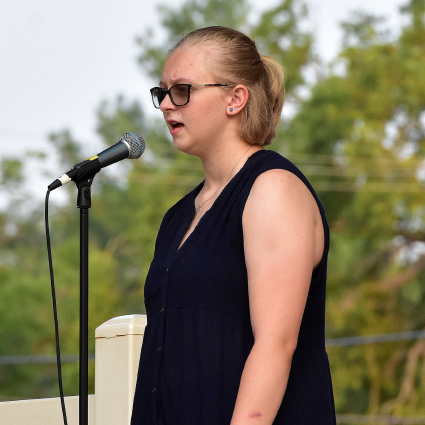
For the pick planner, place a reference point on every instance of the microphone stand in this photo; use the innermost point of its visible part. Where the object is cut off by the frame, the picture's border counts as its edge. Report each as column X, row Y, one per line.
column 84, row 203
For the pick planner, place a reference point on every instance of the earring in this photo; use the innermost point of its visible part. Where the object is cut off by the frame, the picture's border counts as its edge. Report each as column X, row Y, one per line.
column 236, row 109
column 231, row 109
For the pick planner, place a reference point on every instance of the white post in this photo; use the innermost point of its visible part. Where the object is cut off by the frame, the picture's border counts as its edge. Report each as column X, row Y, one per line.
column 44, row 411
column 118, row 343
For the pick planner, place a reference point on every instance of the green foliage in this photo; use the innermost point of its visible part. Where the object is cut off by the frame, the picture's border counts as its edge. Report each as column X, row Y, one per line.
column 10, row 171
column 193, row 14
column 68, row 149
column 363, row 31
column 116, row 119
column 279, row 34
column 360, row 138
column 366, row 124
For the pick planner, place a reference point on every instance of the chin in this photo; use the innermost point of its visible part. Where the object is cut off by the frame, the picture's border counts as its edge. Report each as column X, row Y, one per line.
column 187, row 148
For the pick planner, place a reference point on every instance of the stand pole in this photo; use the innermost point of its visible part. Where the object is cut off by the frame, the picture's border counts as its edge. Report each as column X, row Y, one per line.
column 84, row 203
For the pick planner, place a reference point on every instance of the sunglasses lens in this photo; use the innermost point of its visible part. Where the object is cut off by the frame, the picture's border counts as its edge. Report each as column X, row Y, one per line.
column 180, row 94
column 157, row 96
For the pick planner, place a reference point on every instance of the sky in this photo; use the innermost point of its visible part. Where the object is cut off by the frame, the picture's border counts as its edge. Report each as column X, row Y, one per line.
column 59, row 59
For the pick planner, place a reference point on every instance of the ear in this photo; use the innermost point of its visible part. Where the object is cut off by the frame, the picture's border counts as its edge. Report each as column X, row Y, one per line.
column 238, row 97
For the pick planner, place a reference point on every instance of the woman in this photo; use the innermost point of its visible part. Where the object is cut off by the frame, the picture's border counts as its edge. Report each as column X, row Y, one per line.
column 235, row 294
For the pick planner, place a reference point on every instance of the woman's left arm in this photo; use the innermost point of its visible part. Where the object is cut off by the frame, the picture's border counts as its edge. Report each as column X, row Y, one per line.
column 283, row 241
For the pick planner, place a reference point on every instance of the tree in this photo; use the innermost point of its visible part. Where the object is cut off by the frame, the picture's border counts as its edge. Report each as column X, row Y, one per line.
column 359, row 136
column 124, row 219
column 365, row 129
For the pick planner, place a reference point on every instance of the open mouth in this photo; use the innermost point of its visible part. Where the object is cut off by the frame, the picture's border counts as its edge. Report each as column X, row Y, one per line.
column 175, row 126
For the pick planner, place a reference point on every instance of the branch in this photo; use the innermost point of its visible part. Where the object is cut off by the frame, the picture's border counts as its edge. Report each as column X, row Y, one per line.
column 412, row 236
column 402, row 278
column 409, row 377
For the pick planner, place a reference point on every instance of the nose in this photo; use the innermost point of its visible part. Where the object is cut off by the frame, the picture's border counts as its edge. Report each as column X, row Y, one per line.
column 166, row 103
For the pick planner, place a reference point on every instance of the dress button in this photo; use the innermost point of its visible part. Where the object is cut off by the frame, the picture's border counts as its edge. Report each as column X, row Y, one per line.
column 161, row 310
column 159, row 348
column 154, row 390
column 167, row 270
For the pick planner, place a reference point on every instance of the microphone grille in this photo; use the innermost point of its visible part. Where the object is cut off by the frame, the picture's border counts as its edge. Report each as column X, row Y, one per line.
column 137, row 144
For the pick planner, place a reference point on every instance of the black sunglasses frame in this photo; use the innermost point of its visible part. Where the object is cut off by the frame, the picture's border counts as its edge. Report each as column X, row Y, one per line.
column 156, row 92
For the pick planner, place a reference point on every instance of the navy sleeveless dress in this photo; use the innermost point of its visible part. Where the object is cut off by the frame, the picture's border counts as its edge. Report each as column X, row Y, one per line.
column 198, row 334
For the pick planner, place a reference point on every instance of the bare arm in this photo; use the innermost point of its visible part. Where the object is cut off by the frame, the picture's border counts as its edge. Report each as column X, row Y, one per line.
column 283, row 241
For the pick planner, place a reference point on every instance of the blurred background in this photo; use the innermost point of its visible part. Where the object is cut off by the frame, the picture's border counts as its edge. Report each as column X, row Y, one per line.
column 76, row 75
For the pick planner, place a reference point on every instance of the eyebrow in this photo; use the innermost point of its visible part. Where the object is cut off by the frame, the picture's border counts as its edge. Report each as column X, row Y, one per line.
column 179, row 80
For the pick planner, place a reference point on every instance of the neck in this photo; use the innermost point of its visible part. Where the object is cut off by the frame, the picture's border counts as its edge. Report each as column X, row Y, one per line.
column 221, row 165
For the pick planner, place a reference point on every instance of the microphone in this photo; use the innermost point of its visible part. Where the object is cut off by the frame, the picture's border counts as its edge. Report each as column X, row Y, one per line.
column 131, row 145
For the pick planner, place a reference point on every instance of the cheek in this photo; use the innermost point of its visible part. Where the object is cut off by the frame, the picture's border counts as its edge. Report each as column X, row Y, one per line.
column 210, row 119
column 208, row 116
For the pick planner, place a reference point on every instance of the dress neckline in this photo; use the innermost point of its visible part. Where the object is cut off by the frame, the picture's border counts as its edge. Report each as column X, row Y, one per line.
column 201, row 185
column 191, row 211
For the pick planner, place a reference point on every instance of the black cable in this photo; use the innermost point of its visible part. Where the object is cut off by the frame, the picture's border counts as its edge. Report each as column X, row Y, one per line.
column 55, row 313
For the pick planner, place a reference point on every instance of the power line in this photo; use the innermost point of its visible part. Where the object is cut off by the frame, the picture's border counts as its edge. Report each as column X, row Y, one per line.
column 376, row 186
column 331, row 170
column 335, row 342
column 379, row 419
column 22, row 134
column 372, row 339
column 313, row 159
column 331, row 186
column 39, row 359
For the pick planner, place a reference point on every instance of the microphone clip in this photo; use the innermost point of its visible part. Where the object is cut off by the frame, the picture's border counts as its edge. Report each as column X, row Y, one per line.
column 83, row 184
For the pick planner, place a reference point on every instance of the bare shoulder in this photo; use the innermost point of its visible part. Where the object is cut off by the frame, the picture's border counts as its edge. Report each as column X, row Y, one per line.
column 280, row 177
column 280, row 188
column 281, row 213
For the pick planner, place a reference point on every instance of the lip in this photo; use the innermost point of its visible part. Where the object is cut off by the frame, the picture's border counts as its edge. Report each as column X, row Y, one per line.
column 174, row 130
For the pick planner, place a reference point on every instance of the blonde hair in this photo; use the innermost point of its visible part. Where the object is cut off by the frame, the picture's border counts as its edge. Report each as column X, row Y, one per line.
column 238, row 62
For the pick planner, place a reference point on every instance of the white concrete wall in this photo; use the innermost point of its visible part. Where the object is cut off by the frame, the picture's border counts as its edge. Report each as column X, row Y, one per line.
column 45, row 411
column 118, row 343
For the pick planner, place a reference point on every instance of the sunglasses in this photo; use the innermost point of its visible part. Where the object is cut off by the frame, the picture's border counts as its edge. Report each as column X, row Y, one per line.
column 179, row 93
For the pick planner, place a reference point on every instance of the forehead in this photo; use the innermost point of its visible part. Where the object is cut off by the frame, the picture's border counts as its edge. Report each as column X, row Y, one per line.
column 188, row 65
